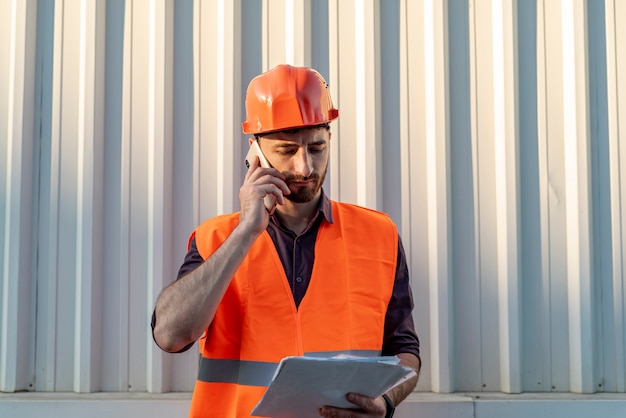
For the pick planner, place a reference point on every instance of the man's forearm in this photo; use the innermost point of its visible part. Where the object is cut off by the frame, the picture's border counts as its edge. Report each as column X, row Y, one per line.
column 400, row 392
column 186, row 307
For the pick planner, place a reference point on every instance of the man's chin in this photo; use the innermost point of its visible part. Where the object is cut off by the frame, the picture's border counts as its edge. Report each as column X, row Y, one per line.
column 302, row 195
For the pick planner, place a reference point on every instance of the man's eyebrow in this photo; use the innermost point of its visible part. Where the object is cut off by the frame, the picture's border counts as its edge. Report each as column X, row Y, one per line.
column 287, row 144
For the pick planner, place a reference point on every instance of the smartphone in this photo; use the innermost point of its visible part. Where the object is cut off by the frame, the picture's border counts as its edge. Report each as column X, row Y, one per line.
column 255, row 149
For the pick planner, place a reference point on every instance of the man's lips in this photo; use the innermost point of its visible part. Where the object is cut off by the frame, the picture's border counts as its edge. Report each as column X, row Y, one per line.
column 302, row 183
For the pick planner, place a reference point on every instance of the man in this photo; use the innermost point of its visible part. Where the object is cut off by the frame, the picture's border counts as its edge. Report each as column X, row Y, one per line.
column 307, row 276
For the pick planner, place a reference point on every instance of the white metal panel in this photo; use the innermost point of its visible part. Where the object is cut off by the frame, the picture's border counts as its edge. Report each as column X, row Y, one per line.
column 481, row 126
column 414, row 211
column 495, row 138
column 615, row 12
column 298, row 24
column 182, row 368
column 463, row 173
column 115, row 297
column 579, row 244
column 274, row 33
column 68, row 358
column 507, row 208
column 333, row 78
column 535, row 341
column 160, row 147
column 206, row 182
column 150, row 124
column 56, row 284
column 286, row 32
column 140, row 130
column 47, row 216
column 67, row 127
column 17, row 81
column 483, row 142
column 366, row 131
column 358, row 134
column 218, row 120
column 437, row 178
column 555, row 184
column 88, row 275
column 227, row 106
column 415, row 179
column 542, row 331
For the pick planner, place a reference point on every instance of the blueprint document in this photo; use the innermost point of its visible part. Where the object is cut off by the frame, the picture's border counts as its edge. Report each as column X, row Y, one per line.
column 302, row 385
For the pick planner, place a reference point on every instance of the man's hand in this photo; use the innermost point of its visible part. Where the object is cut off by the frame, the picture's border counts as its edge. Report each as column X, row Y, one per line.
column 369, row 407
column 258, row 183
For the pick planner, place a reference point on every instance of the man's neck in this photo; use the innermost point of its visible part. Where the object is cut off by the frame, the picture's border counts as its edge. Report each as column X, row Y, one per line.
column 297, row 216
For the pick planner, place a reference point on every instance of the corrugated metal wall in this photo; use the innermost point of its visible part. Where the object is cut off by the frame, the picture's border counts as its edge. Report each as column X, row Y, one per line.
column 489, row 130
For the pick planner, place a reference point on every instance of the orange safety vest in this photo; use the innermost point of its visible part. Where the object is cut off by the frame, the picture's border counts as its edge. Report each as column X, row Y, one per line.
column 257, row 322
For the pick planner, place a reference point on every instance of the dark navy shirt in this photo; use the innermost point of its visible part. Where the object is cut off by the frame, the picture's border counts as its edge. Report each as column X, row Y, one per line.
column 297, row 254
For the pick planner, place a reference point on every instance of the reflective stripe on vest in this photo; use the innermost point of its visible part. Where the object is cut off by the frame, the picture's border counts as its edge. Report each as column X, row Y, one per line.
column 256, row 373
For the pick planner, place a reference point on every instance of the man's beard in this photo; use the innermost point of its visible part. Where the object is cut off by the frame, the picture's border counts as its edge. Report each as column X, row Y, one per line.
column 304, row 194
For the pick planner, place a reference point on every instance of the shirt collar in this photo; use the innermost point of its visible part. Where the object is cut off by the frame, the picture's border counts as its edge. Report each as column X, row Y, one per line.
column 326, row 208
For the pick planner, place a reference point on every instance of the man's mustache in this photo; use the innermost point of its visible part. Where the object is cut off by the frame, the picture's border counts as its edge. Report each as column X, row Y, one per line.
column 296, row 178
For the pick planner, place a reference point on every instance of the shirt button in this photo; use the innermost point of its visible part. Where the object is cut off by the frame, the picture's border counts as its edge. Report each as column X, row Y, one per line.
column 299, row 279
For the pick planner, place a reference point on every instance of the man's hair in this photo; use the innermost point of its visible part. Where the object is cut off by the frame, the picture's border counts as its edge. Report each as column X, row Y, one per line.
column 294, row 130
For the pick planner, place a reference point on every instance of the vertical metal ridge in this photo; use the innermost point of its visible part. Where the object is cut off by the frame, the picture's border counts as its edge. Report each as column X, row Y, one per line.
column 577, row 194
column 124, row 227
column 617, row 184
column 159, row 174
column 87, row 190
column 333, row 69
column 16, row 183
column 437, row 140
column 507, row 206
column 544, row 221
column 476, row 170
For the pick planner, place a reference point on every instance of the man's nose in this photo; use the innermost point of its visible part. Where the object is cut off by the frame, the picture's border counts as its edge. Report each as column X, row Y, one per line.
column 302, row 163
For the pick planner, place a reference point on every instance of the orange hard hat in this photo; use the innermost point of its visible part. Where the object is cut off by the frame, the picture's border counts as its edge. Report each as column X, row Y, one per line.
column 287, row 97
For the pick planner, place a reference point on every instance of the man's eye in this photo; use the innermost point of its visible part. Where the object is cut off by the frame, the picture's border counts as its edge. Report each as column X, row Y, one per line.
column 316, row 150
column 287, row 151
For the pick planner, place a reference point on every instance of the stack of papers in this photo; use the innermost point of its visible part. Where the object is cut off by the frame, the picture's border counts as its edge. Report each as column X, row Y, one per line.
column 302, row 385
